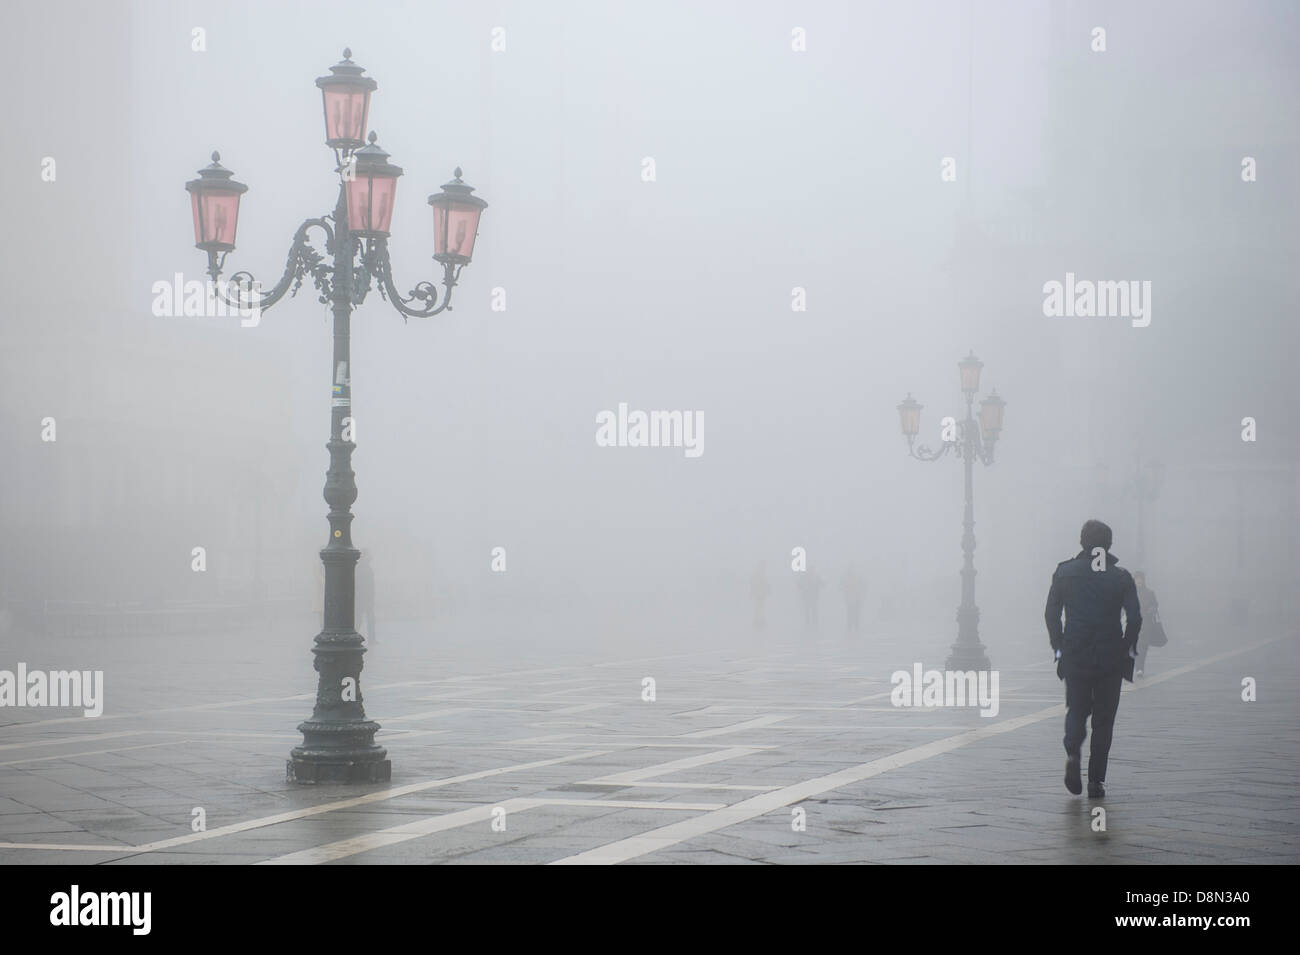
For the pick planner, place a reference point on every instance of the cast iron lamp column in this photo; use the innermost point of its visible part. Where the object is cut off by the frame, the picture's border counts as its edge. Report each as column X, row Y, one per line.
column 972, row 443
column 1145, row 486
column 338, row 740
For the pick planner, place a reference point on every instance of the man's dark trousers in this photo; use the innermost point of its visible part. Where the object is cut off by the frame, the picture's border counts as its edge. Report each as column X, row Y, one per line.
column 1096, row 694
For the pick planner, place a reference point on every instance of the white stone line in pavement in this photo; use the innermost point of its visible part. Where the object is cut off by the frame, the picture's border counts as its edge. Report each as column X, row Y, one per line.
column 198, row 707
column 735, row 727
column 718, row 786
column 764, row 704
column 94, row 752
column 613, row 741
column 368, row 798
column 195, row 708
column 872, row 728
column 575, row 690
column 665, row 836
column 704, row 710
column 70, row 847
column 868, row 699
column 631, row 776
column 427, row 714
column 670, row 835
column 581, row 678
column 71, row 739
column 334, row 851
column 457, row 697
column 580, row 708
column 214, row 734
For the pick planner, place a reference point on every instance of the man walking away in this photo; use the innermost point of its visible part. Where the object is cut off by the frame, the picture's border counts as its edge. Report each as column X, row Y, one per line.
column 1094, row 652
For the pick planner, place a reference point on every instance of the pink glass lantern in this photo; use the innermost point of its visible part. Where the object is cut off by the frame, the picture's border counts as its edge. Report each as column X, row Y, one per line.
column 455, row 221
column 214, row 200
column 371, row 191
column 909, row 416
column 991, row 409
column 970, row 373
column 346, row 97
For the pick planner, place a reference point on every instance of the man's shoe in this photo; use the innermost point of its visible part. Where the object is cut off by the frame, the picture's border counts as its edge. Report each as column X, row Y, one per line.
column 1073, row 782
column 1096, row 790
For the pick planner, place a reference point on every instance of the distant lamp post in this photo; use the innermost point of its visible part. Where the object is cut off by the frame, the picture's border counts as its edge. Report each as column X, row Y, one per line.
column 1148, row 479
column 909, row 416
column 974, row 441
column 991, row 419
column 970, row 367
column 338, row 740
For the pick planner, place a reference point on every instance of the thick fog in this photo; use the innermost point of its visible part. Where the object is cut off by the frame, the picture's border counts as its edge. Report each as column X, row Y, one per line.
column 845, row 200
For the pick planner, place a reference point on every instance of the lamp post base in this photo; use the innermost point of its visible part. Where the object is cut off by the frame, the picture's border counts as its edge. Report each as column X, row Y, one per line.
column 968, row 656
column 347, row 753
column 309, row 770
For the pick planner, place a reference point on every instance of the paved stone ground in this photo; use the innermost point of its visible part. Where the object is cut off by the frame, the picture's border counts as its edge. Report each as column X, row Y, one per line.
column 739, row 736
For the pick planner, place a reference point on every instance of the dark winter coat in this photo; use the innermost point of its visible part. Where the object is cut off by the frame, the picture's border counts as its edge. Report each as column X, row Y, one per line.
column 1092, row 640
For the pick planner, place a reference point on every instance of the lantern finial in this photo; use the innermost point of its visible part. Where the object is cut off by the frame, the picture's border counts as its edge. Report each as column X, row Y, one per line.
column 347, row 53
column 456, row 172
column 216, row 156
column 373, row 136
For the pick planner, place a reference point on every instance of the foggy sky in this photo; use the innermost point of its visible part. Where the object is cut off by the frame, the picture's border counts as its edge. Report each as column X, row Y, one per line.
column 775, row 169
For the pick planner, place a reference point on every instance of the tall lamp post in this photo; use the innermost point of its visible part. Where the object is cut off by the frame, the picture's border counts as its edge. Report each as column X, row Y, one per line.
column 973, row 441
column 338, row 740
column 1148, row 478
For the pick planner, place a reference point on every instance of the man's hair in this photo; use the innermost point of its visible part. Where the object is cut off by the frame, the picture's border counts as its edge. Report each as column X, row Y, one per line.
column 1094, row 534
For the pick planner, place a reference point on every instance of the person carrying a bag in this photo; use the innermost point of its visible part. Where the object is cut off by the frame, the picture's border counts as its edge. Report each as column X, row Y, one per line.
column 1153, row 631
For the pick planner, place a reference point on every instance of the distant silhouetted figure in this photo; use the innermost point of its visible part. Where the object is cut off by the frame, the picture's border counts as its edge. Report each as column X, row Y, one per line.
column 855, row 589
column 759, row 588
column 810, row 590
column 365, row 606
column 1094, row 652
column 1153, row 630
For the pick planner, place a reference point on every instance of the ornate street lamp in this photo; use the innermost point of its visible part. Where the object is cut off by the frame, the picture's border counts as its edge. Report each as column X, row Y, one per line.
column 991, row 419
column 345, row 94
column 455, row 221
column 909, row 417
column 371, row 188
column 214, row 200
column 975, row 441
column 338, row 740
column 970, row 374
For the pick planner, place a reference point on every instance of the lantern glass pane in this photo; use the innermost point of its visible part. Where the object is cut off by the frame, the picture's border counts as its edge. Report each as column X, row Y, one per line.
column 910, row 419
column 455, row 226
column 991, row 418
column 194, row 208
column 970, row 376
column 216, row 215
column 370, row 203
column 345, row 113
